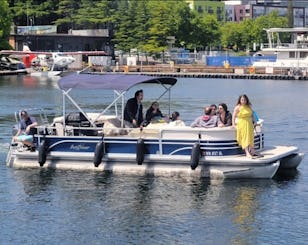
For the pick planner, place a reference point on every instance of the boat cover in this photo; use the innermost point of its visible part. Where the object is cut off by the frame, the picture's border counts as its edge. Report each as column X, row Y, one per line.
column 120, row 82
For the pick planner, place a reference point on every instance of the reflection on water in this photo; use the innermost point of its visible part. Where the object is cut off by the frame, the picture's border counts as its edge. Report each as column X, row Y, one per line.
column 134, row 206
column 125, row 208
column 245, row 209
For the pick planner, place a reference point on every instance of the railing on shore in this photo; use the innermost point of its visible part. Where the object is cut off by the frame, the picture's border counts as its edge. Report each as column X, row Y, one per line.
column 202, row 71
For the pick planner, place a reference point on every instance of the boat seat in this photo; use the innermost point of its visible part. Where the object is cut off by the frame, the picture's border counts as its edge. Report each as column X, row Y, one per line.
column 180, row 133
column 144, row 133
column 217, row 133
column 59, row 129
column 112, row 127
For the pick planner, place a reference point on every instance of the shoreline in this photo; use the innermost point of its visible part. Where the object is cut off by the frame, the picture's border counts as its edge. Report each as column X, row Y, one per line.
column 202, row 71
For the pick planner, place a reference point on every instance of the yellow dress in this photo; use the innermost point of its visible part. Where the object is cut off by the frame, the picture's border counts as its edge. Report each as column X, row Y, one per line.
column 245, row 132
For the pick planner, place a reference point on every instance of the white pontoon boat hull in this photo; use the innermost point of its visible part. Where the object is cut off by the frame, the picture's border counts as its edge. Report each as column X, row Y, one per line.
column 213, row 167
column 96, row 141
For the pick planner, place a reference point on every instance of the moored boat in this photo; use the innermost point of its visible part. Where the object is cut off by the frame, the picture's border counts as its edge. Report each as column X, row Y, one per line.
column 292, row 56
column 100, row 141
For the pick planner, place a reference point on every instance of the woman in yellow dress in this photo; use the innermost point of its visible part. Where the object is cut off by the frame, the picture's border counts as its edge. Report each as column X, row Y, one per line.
column 245, row 128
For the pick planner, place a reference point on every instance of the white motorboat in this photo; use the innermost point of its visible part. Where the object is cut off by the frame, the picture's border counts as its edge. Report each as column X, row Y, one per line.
column 100, row 141
column 292, row 56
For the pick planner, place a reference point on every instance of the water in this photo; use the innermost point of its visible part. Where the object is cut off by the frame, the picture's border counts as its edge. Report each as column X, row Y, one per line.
column 40, row 206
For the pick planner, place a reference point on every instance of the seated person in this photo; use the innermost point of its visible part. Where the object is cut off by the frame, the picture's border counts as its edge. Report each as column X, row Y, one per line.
column 26, row 130
column 175, row 119
column 224, row 116
column 133, row 111
column 206, row 121
column 153, row 114
column 214, row 109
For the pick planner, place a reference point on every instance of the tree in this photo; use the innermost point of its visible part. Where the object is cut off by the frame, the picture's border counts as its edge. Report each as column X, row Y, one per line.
column 32, row 12
column 86, row 16
column 5, row 24
column 270, row 20
column 142, row 28
column 123, row 24
column 182, row 27
column 66, row 11
column 161, row 25
column 231, row 35
column 205, row 32
column 240, row 36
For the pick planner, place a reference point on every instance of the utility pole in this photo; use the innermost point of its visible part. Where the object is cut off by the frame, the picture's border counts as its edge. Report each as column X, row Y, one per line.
column 290, row 13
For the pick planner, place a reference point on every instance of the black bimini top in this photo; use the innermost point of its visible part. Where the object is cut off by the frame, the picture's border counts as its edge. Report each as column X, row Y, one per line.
column 120, row 82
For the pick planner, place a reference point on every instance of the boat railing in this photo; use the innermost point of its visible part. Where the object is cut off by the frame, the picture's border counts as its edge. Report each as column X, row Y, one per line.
column 60, row 130
column 158, row 130
column 285, row 46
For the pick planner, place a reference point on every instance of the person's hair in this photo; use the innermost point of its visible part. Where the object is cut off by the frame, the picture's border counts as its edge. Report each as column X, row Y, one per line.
column 213, row 105
column 174, row 115
column 23, row 113
column 223, row 105
column 208, row 110
column 138, row 92
column 155, row 102
column 246, row 97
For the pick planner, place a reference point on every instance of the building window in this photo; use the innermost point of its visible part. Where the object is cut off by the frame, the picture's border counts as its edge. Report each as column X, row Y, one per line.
column 210, row 10
column 291, row 54
column 303, row 54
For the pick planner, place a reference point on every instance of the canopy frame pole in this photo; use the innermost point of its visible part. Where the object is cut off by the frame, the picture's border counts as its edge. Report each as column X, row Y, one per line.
column 65, row 93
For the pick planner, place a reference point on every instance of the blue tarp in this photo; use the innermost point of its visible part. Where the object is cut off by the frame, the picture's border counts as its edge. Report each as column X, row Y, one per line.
column 236, row 60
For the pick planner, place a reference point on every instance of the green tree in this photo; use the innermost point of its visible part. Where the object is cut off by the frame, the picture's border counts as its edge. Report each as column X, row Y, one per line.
column 231, row 35
column 32, row 12
column 123, row 25
column 66, row 11
column 182, row 17
column 243, row 35
column 87, row 15
column 161, row 25
column 205, row 32
column 271, row 20
column 5, row 24
column 142, row 26
column 248, row 36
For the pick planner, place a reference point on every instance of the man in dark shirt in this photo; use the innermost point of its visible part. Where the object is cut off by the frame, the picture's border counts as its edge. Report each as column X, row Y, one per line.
column 133, row 110
column 26, row 129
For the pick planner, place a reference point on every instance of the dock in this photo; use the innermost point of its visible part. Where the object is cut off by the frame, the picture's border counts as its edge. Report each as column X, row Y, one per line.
column 12, row 72
column 202, row 71
column 191, row 71
column 227, row 76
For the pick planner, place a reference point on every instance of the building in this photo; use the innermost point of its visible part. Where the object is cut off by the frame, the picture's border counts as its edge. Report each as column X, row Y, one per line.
column 204, row 7
column 239, row 10
column 299, row 10
column 46, row 38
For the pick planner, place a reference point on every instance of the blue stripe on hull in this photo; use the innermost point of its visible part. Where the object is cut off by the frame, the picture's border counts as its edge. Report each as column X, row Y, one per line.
column 152, row 146
column 72, row 144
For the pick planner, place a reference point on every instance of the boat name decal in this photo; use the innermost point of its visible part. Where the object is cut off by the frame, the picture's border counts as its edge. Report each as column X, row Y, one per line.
column 213, row 153
column 79, row 147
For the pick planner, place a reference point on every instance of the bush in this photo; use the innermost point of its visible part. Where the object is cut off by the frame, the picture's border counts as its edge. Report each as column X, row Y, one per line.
column 5, row 45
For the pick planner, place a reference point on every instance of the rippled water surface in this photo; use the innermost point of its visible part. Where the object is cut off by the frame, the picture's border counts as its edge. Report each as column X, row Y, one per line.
column 40, row 206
